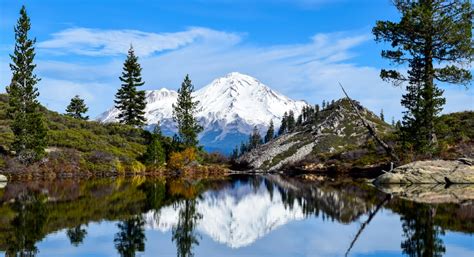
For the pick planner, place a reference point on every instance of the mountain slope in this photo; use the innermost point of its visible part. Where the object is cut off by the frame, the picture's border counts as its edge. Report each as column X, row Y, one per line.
column 335, row 132
column 229, row 108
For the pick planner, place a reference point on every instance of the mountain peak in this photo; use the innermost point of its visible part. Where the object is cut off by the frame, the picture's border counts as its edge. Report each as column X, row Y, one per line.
column 230, row 106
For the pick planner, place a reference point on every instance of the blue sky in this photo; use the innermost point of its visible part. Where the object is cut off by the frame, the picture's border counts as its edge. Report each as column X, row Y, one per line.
column 301, row 48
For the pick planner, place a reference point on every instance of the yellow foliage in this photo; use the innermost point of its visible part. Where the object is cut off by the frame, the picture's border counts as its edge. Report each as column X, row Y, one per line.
column 137, row 167
column 179, row 160
column 119, row 167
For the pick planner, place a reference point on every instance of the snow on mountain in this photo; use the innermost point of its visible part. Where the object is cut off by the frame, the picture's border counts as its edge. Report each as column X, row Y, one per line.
column 225, row 215
column 229, row 108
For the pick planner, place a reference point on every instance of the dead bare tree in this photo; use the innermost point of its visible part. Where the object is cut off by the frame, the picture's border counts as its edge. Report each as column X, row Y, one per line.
column 371, row 130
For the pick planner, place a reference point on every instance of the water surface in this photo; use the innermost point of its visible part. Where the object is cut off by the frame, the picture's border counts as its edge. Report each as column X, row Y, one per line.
column 233, row 216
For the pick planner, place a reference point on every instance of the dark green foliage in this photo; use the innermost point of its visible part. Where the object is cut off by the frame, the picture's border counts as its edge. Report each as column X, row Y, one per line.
column 131, row 236
column 254, row 139
column 183, row 113
column 284, row 124
column 270, row 132
column 77, row 108
column 430, row 32
column 130, row 101
column 382, row 117
column 28, row 225
column 76, row 235
column 155, row 153
column 27, row 120
column 235, row 153
column 184, row 233
column 291, row 123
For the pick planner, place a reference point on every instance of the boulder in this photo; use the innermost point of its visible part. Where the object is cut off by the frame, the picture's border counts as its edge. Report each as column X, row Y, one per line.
column 460, row 171
column 431, row 194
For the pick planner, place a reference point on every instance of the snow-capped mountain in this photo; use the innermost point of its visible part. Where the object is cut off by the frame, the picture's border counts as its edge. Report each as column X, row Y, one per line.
column 236, row 216
column 229, row 108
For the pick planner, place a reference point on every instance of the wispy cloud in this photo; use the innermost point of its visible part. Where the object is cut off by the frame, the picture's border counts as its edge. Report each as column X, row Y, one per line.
column 309, row 70
column 97, row 42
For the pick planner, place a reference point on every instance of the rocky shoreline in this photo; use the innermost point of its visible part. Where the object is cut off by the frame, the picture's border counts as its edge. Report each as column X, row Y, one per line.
column 459, row 171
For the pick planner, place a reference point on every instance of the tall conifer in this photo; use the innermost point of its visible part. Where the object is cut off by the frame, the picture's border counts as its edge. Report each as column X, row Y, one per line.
column 129, row 100
column 28, row 124
column 184, row 114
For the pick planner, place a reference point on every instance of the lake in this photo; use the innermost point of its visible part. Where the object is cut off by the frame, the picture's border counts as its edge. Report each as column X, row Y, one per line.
column 238, row 215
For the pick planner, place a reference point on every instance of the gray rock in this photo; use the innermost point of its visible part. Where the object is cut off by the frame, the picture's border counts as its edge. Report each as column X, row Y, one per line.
column 432, row 194
column 431, row 172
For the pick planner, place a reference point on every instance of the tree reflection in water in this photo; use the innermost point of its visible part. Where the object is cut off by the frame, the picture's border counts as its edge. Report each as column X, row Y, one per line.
column 421, row 235
column 131, row 236
column 183, row 233
column 76, row 235
column 31, row 214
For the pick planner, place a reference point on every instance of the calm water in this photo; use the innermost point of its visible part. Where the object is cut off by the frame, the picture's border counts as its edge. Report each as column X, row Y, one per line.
column 236, row 216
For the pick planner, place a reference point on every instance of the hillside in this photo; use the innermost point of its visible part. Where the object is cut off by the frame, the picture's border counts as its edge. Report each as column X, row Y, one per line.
column 337, row 133
column 75, row 144
column 229, row 107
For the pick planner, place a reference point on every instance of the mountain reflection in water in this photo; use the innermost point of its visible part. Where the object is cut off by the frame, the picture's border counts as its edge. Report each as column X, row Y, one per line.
column 238, row 215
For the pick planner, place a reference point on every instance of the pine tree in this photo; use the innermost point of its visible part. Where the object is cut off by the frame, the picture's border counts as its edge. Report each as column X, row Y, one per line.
column 283, row 126
column 316, row 112
column 430, row 32
column 28, row 124
column 255, row 139
column 155, row 153
column 77, row 108
column 299, row 120
column 243, row 148
column 235, row 153
column 129, row 100
column 183, row 113
column 382, row 117
column 324, row 104
column 270, row 132
column 291, row 121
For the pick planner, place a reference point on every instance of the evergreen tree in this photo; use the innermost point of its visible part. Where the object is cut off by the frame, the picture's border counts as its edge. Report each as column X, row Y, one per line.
column 291, row 121
column 155, row 153
column 382, row 117
column 235, row 153
column 243, row 148
column 299, row 120
column 283, row 126
column 316, row 111
column 333, row 102
column 324, row 104
column 183, row 114
column 255, row 139
column 430, row 31
column 393, row 121
column 129, row 100
column 28, row 124
column 77, row 108
column 270, row 132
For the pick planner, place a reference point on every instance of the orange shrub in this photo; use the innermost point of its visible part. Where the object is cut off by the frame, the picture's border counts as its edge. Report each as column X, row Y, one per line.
column 178, row 160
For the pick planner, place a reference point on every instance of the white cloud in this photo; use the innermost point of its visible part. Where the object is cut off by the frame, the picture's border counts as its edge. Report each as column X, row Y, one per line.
column 309, row 70
column 96, row 42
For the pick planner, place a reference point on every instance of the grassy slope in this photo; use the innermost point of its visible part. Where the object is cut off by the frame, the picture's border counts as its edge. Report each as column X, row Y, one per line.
column 90, row 139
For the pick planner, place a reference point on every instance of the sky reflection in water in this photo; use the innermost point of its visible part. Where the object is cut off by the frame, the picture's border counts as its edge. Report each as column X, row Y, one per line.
column 257, row 216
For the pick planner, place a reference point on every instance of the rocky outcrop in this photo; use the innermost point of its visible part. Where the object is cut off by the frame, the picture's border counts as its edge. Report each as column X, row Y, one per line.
column 334, row 130
column 431, row 172
column 432, row 194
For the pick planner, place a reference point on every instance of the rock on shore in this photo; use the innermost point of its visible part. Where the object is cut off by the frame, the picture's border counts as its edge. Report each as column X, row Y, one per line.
column 460, row 171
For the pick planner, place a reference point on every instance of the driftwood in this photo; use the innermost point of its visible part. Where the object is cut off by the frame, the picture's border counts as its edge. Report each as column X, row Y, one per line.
column 371, row 130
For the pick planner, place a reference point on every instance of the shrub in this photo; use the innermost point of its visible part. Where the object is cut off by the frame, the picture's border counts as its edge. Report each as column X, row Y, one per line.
column 178, row 160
